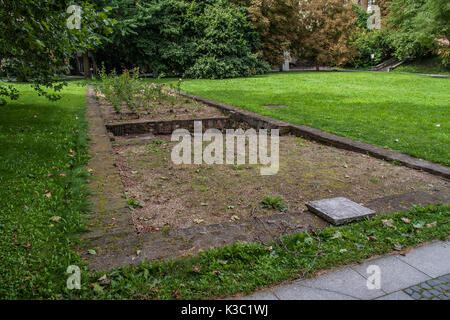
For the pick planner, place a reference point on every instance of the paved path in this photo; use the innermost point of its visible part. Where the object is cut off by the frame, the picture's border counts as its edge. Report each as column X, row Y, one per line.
column 423, row 273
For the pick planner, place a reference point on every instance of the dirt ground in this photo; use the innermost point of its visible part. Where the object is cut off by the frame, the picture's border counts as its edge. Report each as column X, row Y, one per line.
column 180, row 196
column 174, row 108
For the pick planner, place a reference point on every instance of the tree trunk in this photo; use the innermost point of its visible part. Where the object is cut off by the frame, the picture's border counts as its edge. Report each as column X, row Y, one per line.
column 86, row 67
column 94, row 64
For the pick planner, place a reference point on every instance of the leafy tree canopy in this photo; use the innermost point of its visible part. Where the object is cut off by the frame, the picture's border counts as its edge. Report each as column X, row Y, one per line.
column 417, row 25
column 199, row 39
column 36, row 42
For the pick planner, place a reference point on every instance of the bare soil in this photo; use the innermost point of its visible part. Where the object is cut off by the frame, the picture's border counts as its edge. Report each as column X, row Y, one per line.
column 174, row 108
column 180, row 196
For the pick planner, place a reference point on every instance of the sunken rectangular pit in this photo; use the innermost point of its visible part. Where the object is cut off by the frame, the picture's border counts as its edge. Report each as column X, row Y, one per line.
column 171, row 196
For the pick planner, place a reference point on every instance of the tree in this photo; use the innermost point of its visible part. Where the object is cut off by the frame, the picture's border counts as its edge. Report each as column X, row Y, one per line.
column 419, row 27
column 326, row 31
column 278, row 23
column 199, row 39
column 36, row 42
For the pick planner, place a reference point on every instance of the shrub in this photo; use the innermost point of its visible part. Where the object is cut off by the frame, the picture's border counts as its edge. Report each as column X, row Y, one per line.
column 200, row 39
column 372, row 42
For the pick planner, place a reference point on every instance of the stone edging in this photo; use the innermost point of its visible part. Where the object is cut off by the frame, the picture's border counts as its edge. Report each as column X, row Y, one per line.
column 164, row 126
column 259, row 121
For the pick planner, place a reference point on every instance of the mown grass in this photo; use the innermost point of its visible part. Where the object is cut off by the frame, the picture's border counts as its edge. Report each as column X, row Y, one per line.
column 43, row 150
column 407, row 113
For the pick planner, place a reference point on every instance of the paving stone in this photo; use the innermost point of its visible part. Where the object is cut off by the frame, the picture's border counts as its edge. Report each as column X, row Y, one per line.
column 346, row 281
column 427, row 294
column 397, row 295
column 409, row 291
column 267, row 295
column 415, row 295
column 299, row 292
column 432, row 259
column 425, row 286
column 416, row 288
column 443, row 297
column 395, row 274
column 434, row 292
column 339, row 210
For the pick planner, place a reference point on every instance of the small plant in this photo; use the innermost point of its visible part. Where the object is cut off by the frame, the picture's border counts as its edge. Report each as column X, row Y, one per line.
column 133, row 203
column 274, row 203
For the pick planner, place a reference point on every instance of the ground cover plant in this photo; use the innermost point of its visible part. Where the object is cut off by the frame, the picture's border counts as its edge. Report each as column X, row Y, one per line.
column 406, row 113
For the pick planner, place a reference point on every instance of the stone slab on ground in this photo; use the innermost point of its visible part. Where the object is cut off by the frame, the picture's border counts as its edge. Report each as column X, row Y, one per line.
column 398, row 295
column 339, row 210
column 395, row 274
column 433, row 260
column 346, row 281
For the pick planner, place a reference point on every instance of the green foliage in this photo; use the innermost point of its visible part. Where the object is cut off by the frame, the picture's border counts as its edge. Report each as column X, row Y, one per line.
column 128, row 91
column 43, row 152
column 36, row 42
column 362, row 16
column 210, row 38
column 371, row 42
column 274, row 203
column 417, row 24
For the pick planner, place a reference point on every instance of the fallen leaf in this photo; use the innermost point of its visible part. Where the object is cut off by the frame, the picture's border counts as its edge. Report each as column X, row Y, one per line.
column 62, row 174
column 431, row 225
column 388, row 223
column 103, row 280
column 55, row 219
column 92, row 251
column 175, row 294
column 48, row 195
column 370, row 238
column 405, row 220
column 27, row 245
column 234, row 218
column 198, row 221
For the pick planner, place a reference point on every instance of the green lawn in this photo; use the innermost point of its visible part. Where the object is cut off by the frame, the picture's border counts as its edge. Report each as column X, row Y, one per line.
column 43, row 149
column 407, row 113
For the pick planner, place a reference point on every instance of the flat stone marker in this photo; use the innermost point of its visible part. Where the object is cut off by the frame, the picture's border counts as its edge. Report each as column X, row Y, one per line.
column 339, row 210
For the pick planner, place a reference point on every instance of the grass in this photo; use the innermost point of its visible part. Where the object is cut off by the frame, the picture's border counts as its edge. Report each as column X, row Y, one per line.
column 43, row 150
column 431, row 65
column 406, row 113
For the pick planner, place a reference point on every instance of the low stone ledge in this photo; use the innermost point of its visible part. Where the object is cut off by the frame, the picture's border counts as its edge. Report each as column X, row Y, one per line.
column 165, row 126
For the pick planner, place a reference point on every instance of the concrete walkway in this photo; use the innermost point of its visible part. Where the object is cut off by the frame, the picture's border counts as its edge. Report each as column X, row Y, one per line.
column 421, row 274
